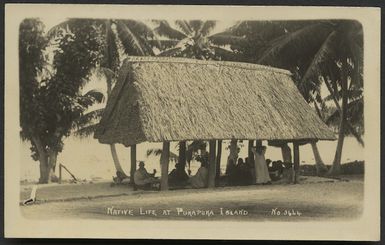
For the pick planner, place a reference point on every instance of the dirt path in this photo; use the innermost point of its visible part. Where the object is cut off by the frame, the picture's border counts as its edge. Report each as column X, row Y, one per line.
column 338, row 200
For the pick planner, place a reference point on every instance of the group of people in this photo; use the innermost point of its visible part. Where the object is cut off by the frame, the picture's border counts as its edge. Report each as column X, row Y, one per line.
column 245, row 172
column 248, row 171
column 279, row 170
column 177, row 177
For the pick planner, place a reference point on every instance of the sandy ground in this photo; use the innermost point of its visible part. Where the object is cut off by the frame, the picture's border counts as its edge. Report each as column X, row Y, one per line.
column 307, row 201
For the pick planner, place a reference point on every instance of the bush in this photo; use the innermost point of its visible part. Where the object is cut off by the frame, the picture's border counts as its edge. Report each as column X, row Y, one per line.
column 356, row 167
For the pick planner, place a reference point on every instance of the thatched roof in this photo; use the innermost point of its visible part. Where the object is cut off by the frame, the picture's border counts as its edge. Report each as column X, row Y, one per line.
column 174, row 99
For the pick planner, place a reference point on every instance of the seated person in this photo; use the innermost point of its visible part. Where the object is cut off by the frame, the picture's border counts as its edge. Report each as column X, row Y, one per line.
column 200, row 179
column 268, row 163
column 231, row 172
column 276, row 170
column 250, row 166
column 143, row 179
column 178, row 176
column 287, row 173
column 120, row 176
column 243, row 175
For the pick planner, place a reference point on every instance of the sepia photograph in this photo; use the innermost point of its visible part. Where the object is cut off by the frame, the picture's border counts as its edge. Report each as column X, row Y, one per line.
column 139, row 119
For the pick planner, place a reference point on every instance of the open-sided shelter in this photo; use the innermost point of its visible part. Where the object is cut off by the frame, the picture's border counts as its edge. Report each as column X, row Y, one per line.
column 177, row 99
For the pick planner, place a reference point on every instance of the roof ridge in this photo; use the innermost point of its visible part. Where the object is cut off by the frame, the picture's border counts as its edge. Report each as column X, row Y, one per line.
column 243, row 65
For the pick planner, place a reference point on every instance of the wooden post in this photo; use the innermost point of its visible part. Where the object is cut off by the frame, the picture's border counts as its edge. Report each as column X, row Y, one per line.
column 286, row 153
column 250, row 154
column 133, row 163
column 257, row 161
column 296, row 162
column 218, row 164
column 251, row 162
column 182, row 154
column 212, row 164
column 164, row 162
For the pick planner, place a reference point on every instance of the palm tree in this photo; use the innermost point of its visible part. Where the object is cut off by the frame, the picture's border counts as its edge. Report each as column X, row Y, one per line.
column 335, row 60
column 128, row 36
column 316, row 52
column 192, row 39
column 51, row 100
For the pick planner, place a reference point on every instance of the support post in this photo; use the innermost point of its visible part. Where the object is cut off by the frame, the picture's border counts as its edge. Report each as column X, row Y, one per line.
column 182, row 154
column 251, row 162
column 286, row 153
column 133, row 163
column 296, row 162
column 250, row 154
column 212, row 164
column 164, row 161
column 218, row 163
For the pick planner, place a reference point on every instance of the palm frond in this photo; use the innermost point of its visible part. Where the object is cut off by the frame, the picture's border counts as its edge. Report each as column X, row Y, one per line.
column 166, row 44
column 86, row 131
column 195, row 25
column 226, row 39
column 89, row 118
column 354, row 112
column 228, row 55
column 164, row 29
column 170, row 52
column 111, row 54
column 96, row 94
column 323, row 52
column 184, row 26
column 143, row 31
column 158, row 152
column 130, row 42
column 295, row 41
column 207, row 27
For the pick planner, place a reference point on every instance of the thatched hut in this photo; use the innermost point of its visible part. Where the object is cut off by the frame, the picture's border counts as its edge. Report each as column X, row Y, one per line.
column 176, row 99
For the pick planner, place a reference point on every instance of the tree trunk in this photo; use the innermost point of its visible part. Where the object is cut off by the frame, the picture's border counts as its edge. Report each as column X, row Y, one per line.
column 182, row 154
column 44, row 170
column 43, row 159
column 233, row 155
column 52, row 157
column 133, row 163
column 115, row 158
column 164, row 161
column 349, row 126
column 336, row 167
column 319, row 164
column 286, row 153
column 212, row 164
column 218, row 162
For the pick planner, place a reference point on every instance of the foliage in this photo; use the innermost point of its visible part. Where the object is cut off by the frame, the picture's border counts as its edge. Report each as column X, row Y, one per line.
column 129, row 37
column 158, row 152
column 192, row 39
column 32, row 42
column 56, row 99
column 315, row 52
